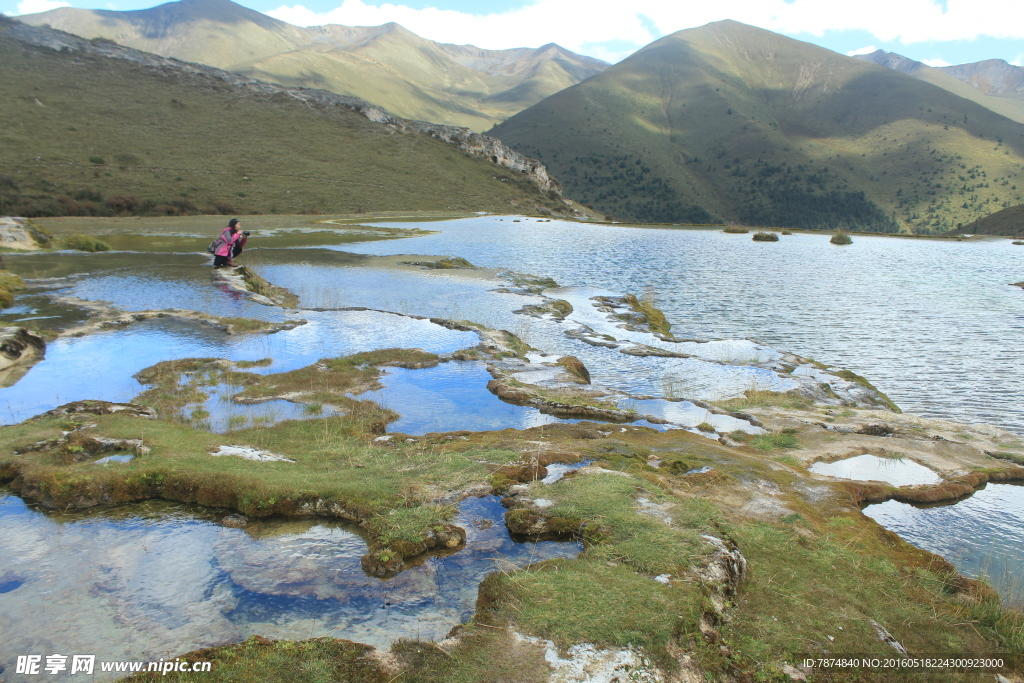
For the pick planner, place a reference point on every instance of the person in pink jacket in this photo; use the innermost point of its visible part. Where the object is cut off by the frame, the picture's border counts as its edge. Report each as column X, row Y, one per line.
column 223, row 255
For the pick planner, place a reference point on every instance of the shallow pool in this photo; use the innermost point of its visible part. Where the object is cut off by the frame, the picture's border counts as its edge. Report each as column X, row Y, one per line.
column 158, row 579
column 896, row 471
column 981, row 535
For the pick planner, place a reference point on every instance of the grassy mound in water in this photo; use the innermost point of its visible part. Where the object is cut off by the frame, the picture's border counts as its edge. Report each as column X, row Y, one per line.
column 336, row 473
column 79, row 242
column 257, row 285
column 9, row 284
column 450, row 263
column 174, row 386
column 818, row 575
column 655, row 318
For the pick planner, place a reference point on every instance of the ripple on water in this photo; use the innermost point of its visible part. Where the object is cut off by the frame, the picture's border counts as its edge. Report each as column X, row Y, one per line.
column 942, row 299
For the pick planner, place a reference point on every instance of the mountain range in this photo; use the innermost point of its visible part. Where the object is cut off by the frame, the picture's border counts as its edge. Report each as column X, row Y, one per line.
column 722, row 123
column 993, row 83
column 728, row 122
column 386, row 65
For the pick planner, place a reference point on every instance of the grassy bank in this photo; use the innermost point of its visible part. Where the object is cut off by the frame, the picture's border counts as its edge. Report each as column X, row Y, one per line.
column 93, row 136
column 391, row 492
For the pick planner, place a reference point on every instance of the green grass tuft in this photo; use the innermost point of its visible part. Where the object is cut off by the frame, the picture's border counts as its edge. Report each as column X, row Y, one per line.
column 83, row 243
column 774, row 441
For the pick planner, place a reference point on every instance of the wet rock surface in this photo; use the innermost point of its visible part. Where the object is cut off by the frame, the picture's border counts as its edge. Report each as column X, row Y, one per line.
column 103, row 408
column 244, row 279
column 22, row 234
column 103, row 316
column 19, row 350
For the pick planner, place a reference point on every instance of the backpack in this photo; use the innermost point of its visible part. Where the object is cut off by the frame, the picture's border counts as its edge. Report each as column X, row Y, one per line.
column 214, row 244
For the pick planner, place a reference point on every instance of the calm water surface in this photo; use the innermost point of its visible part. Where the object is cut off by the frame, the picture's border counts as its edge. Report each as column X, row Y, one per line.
column 100, row 366
column 867, row 467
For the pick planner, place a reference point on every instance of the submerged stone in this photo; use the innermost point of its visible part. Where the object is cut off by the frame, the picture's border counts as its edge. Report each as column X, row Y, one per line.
column 19, row 350
column 250, row 453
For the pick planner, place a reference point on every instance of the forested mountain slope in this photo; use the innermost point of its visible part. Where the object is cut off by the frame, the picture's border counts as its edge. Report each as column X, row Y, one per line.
column 728, row 122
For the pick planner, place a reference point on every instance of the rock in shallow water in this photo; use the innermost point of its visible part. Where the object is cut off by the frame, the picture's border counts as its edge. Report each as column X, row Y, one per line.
column 19, row 350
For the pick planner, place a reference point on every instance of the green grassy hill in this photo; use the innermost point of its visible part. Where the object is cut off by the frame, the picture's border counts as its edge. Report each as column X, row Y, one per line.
column 982, row 82
column 1007, row 222
column 386, row 65
column 733, row 123
column 86, row 134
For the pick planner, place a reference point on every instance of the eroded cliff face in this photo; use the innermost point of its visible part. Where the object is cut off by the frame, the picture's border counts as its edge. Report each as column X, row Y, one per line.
column 473, row 143
column 492, row 149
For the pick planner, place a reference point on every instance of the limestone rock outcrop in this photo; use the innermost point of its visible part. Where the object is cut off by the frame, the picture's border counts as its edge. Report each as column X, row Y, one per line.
column 20, row 349
column 23, row 234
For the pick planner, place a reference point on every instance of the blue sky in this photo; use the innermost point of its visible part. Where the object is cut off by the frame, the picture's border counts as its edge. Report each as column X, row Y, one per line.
column 934, row 31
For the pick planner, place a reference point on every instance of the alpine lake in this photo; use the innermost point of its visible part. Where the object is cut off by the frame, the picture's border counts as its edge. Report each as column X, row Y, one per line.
column 497, row 447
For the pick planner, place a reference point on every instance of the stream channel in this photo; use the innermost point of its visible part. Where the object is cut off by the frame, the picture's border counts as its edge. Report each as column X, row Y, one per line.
column 892, row 310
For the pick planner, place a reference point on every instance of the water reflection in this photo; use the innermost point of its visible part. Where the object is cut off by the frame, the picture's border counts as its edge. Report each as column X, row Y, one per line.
column 450, row 397
column 157, row 579
column 979, row 535
column 100, row 366
column 895, row 471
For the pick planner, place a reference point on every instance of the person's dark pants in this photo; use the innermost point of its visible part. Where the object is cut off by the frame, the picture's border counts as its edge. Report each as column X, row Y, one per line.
column 220, row 261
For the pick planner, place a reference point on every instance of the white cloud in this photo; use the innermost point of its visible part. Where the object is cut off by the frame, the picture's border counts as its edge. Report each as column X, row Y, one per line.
column 33, row 6
column 935, row 62
column 614, row 28
column 861, row 51
column 1018, row 60
column 906, row 21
